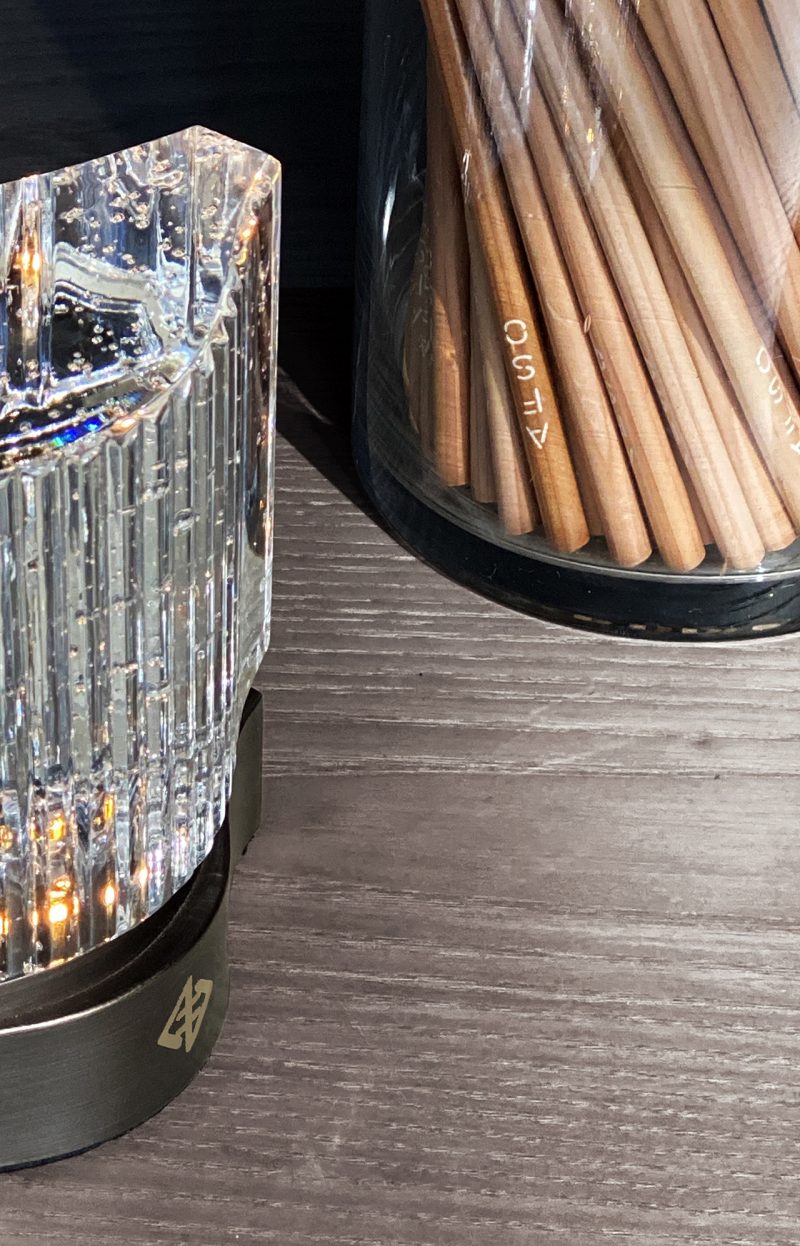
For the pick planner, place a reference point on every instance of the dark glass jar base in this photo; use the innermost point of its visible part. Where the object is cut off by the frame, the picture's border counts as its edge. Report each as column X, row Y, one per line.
column 638, row 607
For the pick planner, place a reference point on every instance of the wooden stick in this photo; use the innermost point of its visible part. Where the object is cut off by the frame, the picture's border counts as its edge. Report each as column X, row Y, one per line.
column 755, row 64
column 697, row 68
column 638, row 277
column 763, row 321
column 658, row 477
column 705, row 528
column 526, row 366
column 450, row 292
column 591, row 501
column 516, row 504
column 700, row 184
column 782, row 18
column 480, row 453
column 747, row 359
column 603, row 472
column 773, row 523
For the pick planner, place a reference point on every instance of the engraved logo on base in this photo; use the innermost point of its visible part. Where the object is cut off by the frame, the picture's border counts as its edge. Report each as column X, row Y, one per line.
column 187, row 1016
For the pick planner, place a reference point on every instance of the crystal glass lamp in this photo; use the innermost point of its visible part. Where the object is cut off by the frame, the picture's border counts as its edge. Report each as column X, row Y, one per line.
column 137, row 388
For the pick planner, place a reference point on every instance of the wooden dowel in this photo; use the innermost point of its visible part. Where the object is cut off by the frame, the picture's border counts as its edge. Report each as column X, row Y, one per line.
column 782, row 17
column 609, row 496
column 450, row 295
column 747, row 358
column 755, row 373
column 636, row 272
column 592, row 507
column 763, row 322
column 480, row 453
column 755, row 64
column 706, row 534
column 773, row 523
column 516, row 504
column 671, row 117
column 657, row 474
column 524, row 359
column 722, row 131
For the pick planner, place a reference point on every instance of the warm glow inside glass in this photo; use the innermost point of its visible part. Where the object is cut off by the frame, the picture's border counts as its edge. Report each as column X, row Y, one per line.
column 137, row 386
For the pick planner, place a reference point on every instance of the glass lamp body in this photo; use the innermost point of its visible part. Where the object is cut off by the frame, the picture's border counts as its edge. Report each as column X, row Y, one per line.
column 137, row 392
column 577, row 364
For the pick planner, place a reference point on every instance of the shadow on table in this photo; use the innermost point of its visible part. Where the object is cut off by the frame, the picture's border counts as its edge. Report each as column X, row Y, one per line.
column 315, row 385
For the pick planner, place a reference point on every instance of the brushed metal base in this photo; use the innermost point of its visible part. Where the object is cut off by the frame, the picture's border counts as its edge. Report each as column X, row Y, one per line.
column 95, row 1047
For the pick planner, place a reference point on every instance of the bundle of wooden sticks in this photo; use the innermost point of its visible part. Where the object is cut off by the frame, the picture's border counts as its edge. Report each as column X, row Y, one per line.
column 603, row 337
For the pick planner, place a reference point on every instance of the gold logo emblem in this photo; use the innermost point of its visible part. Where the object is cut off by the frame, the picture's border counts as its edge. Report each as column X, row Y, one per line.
column 187, row 1016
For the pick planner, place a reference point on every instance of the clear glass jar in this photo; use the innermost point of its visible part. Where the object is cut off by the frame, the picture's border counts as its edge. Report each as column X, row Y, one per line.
column 578, row 366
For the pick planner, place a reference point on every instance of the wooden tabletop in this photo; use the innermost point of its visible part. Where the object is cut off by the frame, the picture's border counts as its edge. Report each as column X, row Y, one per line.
column 517, row 951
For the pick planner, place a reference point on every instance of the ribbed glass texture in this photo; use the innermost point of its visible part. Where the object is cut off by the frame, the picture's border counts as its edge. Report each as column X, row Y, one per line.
column 137, row 387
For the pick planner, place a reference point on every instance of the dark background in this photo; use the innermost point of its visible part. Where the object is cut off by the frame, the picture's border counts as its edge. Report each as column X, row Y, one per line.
column 81, row 78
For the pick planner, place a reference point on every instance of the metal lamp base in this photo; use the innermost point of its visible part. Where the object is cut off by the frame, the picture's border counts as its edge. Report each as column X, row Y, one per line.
column 94, row 1048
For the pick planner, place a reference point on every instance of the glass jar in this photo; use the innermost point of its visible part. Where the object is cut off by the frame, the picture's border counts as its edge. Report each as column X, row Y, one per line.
column 578, row 357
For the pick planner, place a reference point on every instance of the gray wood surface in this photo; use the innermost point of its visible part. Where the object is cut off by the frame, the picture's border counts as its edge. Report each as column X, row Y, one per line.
column 516, row 954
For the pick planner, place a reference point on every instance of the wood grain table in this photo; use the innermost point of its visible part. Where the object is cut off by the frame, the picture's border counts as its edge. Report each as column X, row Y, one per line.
column 517, row 952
